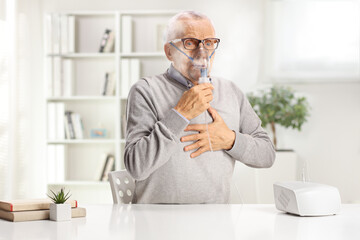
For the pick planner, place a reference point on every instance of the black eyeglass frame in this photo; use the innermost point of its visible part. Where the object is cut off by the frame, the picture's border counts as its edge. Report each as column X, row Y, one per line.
column 199, row 41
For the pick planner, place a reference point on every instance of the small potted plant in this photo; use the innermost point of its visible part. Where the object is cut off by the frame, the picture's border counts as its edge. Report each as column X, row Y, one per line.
column 279, row 105
column 59, row 209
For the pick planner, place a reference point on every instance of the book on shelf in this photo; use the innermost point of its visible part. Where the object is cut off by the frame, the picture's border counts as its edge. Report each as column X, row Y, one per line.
column 71, row 34
column 109, row 46
column 55, row 121
column 60, row 34
column 37, row 215
column 126, row 33
column 69, row 126
column 74, row 127
column 57, row 80
column 60, row 77
column 54, row 32
column 130, row 73
column 49, row 76
column 123, row 126
column 63, row 34
column 78, row 126
column 67, row 76
column 107, row 41
column 60, row 39
column 30, row 204
column 109, row 84
column 108, row 167
column 100, row 167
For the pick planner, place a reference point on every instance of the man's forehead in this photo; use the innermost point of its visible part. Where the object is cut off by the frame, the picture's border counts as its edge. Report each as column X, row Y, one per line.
column 194, row 28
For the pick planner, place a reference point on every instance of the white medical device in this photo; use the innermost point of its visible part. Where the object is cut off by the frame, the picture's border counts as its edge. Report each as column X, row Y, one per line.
column 307, row 198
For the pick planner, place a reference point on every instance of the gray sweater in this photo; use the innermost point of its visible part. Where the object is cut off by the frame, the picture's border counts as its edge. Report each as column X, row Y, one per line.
column 154, row 154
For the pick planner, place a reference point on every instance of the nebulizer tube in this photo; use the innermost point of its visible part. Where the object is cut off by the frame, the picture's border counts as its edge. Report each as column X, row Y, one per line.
column 201, row 61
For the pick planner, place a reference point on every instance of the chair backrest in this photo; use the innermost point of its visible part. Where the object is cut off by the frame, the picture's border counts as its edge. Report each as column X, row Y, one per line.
column 122, row 186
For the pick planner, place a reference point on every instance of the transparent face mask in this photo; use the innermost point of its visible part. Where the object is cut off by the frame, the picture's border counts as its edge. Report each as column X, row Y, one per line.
column 200, row 50
column 201, row 61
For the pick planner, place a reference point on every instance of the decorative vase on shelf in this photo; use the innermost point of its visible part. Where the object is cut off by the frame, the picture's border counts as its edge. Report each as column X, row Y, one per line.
column 59, row 209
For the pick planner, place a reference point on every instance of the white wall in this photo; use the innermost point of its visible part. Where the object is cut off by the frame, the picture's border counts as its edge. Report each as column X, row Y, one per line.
column 330, row 141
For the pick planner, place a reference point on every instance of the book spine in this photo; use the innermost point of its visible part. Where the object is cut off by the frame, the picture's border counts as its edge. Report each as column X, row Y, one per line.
column 109, row 47
column 108, row 167
column 49, row 76
column 100, row 167
column 64, row 34
column 110, row 91
column 55, row 34
column 123, row 126
column 29, row 205
column 134, row 71
column 66, row 125
column 82, row 127
column 76, row 120
column 104, row 40
column 51, row 118
column 70, row 125
column 68, row 77
column 125, row 77
column 71, row 34
column 126, row 34
column 105, row 84
column 60, row 130
column 57, row 77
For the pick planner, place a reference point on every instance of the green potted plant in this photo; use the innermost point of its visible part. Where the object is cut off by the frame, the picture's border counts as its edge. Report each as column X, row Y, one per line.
column 279, row 105
column 59, row 209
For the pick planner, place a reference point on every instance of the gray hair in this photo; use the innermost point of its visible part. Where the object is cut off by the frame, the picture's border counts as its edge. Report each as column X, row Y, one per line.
column 171, row 32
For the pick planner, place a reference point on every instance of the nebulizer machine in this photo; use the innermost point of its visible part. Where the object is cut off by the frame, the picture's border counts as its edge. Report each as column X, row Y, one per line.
column 201, row 61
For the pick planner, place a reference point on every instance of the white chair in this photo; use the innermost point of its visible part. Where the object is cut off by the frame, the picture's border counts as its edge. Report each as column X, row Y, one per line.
column 122, row 186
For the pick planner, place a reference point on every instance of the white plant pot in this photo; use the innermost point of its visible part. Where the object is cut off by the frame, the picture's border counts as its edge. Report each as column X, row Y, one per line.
column 60, row 212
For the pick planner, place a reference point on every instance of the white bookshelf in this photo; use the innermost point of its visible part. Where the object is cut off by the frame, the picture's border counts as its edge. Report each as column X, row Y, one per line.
column 80, row 157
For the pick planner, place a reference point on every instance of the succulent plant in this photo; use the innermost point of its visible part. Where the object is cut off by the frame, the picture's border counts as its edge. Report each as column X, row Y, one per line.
column 59, row 197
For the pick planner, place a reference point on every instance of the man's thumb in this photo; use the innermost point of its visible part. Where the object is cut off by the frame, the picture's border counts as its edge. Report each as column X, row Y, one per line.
column 213, row 113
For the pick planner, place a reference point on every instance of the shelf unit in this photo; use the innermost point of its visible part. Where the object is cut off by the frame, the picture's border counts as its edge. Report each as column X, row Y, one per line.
column 82, row 155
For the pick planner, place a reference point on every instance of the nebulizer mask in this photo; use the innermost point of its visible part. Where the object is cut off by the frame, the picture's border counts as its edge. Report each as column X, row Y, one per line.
column 201, row 61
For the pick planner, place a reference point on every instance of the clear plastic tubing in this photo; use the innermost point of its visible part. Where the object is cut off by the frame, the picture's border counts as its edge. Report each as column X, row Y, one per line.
column 205, row 79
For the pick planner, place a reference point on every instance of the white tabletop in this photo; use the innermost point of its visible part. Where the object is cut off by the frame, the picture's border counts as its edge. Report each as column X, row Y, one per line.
column 228, row 222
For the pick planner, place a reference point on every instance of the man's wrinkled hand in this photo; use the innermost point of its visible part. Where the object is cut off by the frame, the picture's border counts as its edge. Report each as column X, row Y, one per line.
column 221, row 137
column 195, row 101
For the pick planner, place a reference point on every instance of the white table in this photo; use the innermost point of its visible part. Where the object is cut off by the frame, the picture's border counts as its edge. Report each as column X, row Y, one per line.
column 221, row 222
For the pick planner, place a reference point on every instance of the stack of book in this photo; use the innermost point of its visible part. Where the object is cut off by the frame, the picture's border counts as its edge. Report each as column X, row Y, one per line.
column 33, row 209
column 63, row 124
column 60, row 34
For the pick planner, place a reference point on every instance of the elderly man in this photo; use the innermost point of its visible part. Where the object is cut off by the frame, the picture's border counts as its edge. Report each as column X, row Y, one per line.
column 170, row 151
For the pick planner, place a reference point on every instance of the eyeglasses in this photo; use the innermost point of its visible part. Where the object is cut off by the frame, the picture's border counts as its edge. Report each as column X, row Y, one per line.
column 193, row 43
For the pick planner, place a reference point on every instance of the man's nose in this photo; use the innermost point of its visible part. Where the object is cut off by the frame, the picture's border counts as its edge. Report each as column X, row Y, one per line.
column 202, row 45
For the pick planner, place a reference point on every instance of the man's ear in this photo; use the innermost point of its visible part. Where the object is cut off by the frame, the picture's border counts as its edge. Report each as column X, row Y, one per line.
column 168, row 52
